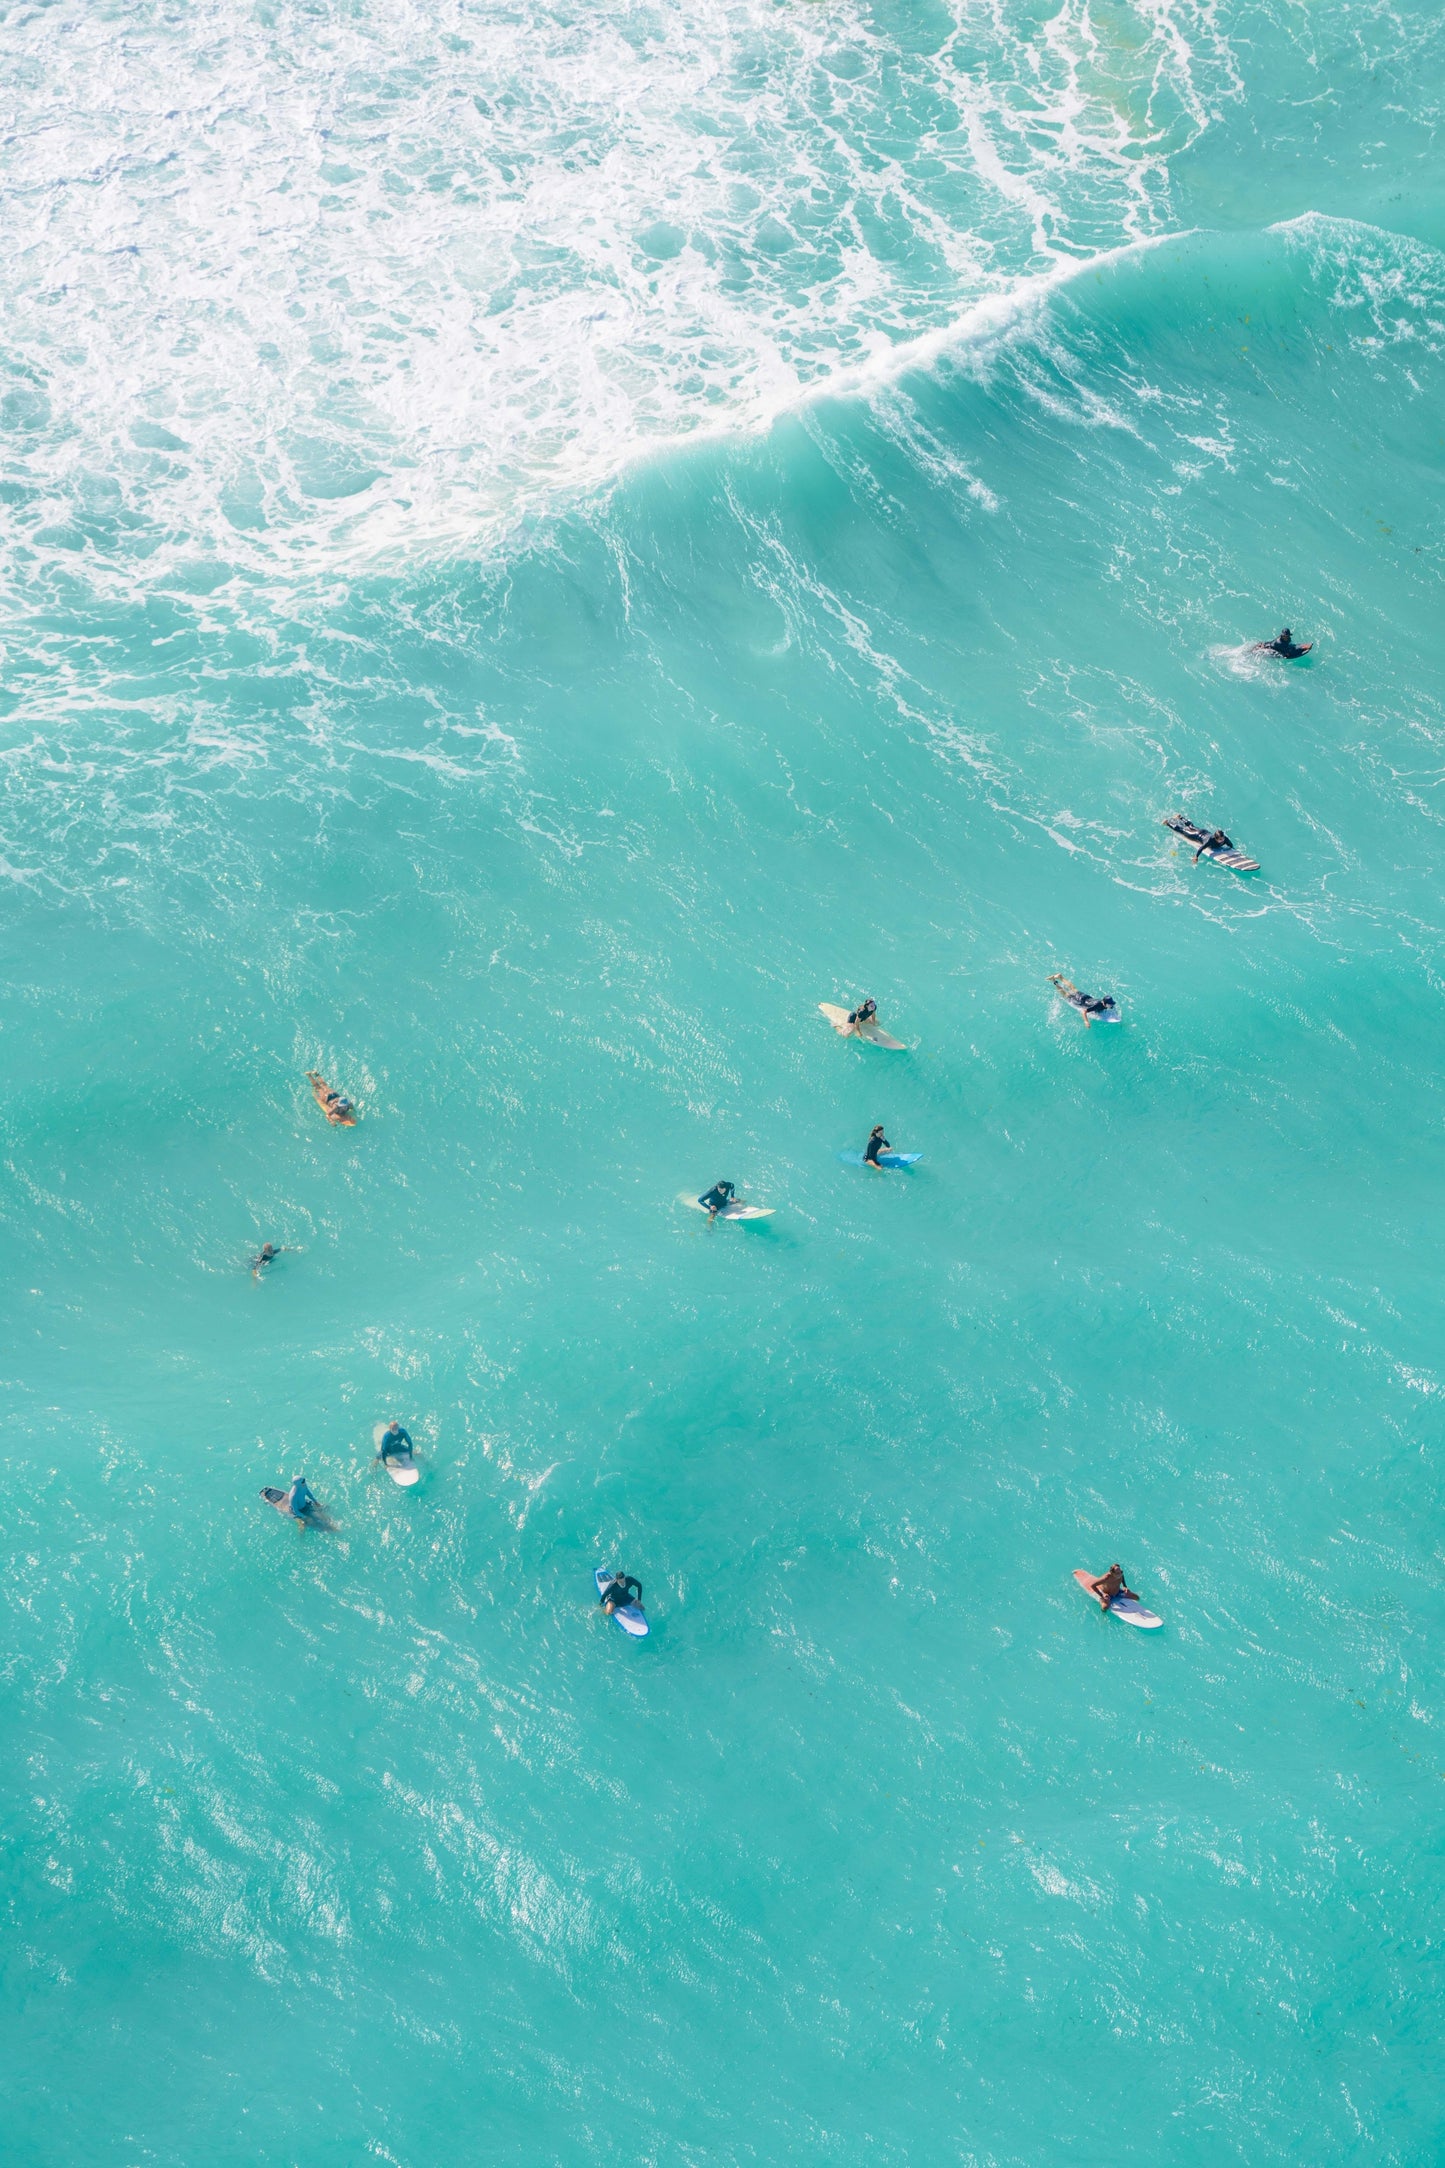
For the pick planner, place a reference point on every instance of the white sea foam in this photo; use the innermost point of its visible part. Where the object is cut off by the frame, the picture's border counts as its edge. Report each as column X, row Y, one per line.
column 299, row 280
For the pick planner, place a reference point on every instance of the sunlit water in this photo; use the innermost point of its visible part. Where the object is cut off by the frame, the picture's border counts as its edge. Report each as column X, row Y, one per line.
column 539, row 546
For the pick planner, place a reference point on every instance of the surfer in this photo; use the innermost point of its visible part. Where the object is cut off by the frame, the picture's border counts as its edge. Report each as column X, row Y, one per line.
column 1284, row 646
column 717, row 1199
column 865, row 1013
column 300, row 1501
column 1088, row 1005
column 394, row 1441
column 337, row 1108
column 877, row 1143
column 1109, row 1585
column 266, row 1255
column 623, row 1589
column 1219, row 841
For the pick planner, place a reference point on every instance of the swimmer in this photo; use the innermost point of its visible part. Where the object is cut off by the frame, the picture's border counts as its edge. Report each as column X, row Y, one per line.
column 267, row 1255
column 1089, row 1006
column 717, row 1199
column 1283, row 646
column 394, row 1441
column 1219, row 841
column 334, row 1105
column 877, row 1143
column 623, row 1589
column 866, row 1013
column 1109, row 1585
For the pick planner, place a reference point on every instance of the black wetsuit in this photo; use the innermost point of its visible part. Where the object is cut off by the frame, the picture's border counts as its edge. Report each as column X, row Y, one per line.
column 395, row 1441
column 1092, row 1005
column 623, row 1589
column 1286, row 647
column 865, row 1015
column 874, row 1147
column 717, row 1198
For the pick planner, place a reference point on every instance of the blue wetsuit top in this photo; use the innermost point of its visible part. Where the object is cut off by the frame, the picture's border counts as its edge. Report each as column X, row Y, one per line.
column 395, row 1441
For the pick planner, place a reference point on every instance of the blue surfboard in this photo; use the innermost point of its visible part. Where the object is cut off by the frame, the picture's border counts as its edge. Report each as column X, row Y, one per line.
column 885, row 1159
column 629, row 1617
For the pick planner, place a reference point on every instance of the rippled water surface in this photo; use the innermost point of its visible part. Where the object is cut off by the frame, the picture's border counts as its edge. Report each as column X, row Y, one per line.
column 539, row 545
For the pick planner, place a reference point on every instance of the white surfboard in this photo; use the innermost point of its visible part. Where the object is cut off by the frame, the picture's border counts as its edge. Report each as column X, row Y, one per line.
column 872, row 1032
column 730, row 1211
column 629, row 1617
column 403, row 1469
column 1127, row 1608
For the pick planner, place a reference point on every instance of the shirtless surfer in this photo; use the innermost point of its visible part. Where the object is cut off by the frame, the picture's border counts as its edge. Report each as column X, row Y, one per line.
column 1109, row 1585
column 338, row 1109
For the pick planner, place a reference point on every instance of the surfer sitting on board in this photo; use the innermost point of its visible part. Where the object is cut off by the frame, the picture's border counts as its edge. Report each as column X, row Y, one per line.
column 394, row 1441
column 1109, row 1585
column 1088, row 1005
column 623, row 1589
column 1219, row 841
column 1284, row 646
column 877, row 1143
column 717, row 1199
column 865, row 1013
column 299, row 1499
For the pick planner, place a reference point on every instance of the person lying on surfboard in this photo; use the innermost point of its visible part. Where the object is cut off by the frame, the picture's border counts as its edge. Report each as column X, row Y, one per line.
column 877, row 1143
column 620, row 1591
column 1111, row 1584
column 394, row 1441
column 1283, row 646
column 334, row 1105
column 865, row 1013
column 1219, row 841
column 1088, row 1005
column 717, row 1199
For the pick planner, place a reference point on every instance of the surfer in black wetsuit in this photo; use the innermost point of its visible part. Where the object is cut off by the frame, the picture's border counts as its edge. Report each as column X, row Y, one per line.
column 1111, row 1584
column 716, row 1199
column 621, row 1590
column 1219, row 841
column 1284, row 646
column 877, row 1143
column 266, row 1255
column 394, row 1441
column 865, row 1014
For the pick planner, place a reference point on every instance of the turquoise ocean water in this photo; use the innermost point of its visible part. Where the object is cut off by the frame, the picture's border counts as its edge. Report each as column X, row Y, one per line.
column 540, row 543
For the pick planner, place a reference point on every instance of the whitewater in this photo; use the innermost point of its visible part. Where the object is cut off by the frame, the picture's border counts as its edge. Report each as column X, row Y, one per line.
column 539, row 545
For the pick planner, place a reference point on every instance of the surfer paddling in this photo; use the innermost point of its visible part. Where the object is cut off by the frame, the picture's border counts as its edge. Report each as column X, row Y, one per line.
column 1219, row 841
column 1101, row 1007
column 266, row 1255
column 337, row 1108
column 1284, row 646
column 1111, row 1584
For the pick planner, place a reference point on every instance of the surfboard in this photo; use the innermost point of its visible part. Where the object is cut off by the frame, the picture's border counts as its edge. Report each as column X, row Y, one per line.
column 885, row 1159
column 731, row 1211
column 629, row 1617
column 1235, row 860
column 874, row 1035
column 403, row 1469
column 1127, row 1608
